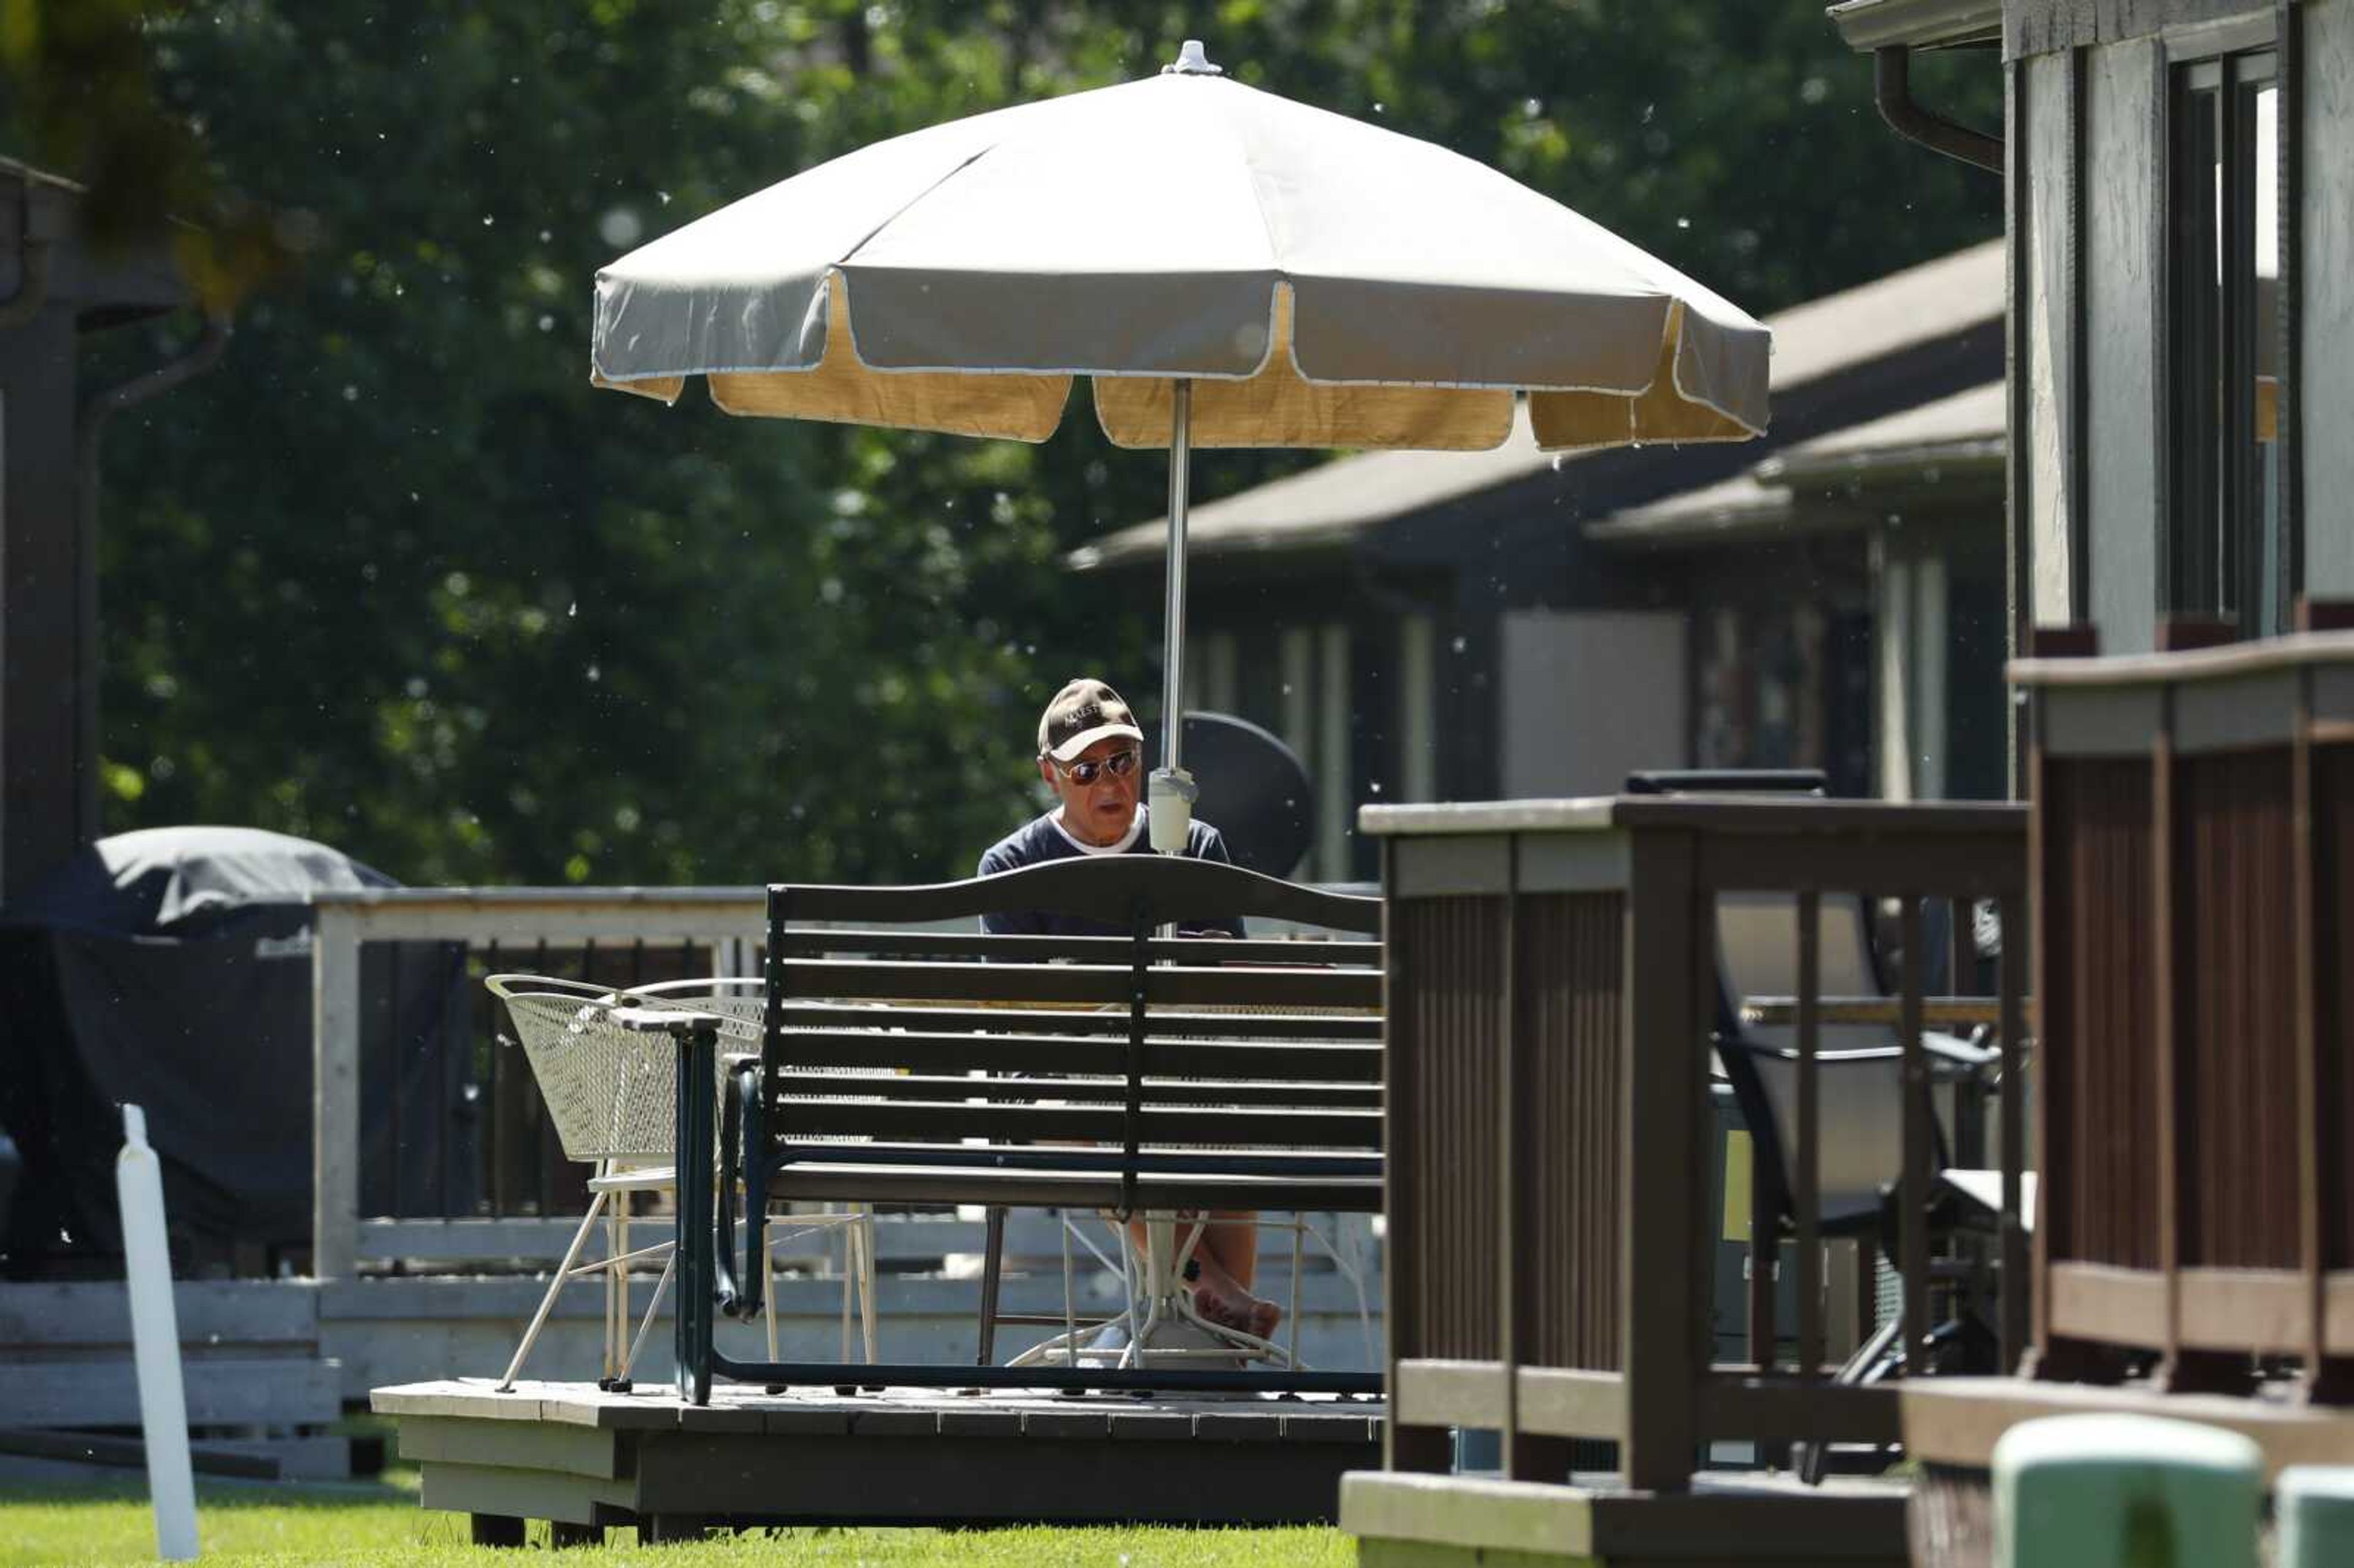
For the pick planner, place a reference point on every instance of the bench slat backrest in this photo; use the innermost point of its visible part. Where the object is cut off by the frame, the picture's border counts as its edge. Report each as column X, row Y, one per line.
column 945, row 980
column 1064, row 1022
column 1095, row 949
column 1042, row 1055
column 926, row 1038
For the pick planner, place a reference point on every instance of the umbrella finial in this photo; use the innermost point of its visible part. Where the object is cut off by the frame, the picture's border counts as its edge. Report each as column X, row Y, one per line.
column 1191, row 60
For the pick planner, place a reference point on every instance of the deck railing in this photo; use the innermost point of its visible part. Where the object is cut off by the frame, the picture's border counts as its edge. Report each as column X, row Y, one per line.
column 1552, row 988
column 2194, row 866
column 703, row 930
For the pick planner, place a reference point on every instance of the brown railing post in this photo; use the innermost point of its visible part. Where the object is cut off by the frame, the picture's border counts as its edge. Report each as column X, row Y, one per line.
column 1808, row 1175
column 1697, row 1228
column 1914, row 1239
column 2164, row 955
column 2324, row 1380
column 2010, row 917
column 2302, row 851
column 1510, row 1046
column 1762, row 1253
column 2043, row 1355
column 1764, row 1225
column 1663, row 1037
column 1418, row 1449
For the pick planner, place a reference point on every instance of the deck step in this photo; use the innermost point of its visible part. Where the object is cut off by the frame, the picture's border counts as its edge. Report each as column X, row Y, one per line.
column 95, row 1314
column 221, row 1392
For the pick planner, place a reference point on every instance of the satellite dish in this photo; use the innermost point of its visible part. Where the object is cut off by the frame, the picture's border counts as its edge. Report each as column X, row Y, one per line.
column 1254, row 791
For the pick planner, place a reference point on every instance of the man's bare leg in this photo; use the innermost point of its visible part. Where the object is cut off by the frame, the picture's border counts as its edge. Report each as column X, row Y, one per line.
column 1232, row 1249
column 1228, row 1256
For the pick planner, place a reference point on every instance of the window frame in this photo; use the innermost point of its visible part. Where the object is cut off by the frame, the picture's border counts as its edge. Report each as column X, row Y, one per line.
column 2214, row 552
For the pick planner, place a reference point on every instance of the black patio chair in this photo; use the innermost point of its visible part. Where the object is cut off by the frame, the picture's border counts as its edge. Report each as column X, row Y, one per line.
column 1860, row 1088
column 1859, row 1116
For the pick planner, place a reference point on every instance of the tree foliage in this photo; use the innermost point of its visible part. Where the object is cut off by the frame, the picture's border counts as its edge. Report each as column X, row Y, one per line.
column 395, row 578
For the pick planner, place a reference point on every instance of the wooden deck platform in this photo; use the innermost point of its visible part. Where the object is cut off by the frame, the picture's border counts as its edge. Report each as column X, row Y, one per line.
column 583, row 1458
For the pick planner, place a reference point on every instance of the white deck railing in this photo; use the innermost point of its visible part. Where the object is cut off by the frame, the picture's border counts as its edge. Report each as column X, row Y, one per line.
column 731, row 920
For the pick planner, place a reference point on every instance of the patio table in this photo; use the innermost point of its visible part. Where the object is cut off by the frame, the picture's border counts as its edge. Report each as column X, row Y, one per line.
column 1941, row 1012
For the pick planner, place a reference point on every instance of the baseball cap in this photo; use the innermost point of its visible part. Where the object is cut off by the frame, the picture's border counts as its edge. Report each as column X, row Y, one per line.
column 1083, row 713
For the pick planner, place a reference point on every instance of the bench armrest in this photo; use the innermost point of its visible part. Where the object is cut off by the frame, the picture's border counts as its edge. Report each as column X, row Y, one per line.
column 740, row 1140
column 1957, row 1051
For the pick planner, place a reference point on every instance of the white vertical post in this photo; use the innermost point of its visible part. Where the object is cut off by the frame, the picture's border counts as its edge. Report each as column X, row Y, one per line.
column 1169, row 794
column 1335, row 780
column 1417, row 708
column 1213, row 677
column 1297, row 658
column 1894, row 677
column 155, row 1341
column 335, row 1092
column 1925, row 723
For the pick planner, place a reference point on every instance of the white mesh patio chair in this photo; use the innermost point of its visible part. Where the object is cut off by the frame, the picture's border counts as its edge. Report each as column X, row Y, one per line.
column 611, row 1095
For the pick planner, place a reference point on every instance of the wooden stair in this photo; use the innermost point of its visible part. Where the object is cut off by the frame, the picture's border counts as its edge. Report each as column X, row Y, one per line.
column 250, row 1364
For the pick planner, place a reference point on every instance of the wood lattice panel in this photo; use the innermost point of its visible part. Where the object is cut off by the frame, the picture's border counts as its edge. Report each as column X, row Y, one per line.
column 2235, row 1045
column 1446, row 1022
column 1573, row 949
column 2098, row 1016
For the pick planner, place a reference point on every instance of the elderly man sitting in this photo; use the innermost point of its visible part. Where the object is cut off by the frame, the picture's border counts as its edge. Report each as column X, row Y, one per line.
column 1091, row 755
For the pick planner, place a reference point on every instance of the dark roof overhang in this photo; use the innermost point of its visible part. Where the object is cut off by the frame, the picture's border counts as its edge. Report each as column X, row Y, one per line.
column 1868, row 25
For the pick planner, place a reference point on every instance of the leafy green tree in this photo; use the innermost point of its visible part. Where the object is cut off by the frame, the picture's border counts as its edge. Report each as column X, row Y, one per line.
column 395, row 577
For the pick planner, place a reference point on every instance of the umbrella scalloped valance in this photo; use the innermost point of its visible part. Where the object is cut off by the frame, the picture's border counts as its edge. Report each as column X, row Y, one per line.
column 1320, row 283
column 1231, row 269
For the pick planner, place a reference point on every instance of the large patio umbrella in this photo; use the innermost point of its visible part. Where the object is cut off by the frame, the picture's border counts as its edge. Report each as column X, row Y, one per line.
column 1230, row 268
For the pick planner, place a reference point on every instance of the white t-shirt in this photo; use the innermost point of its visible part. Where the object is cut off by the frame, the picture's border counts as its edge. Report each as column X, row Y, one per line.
column 1117, row 846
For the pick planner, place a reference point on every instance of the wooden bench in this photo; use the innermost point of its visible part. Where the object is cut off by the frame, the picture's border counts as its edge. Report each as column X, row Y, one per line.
column 1126, row 1072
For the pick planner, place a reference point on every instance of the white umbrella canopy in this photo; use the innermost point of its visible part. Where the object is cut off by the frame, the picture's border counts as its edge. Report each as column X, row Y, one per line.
column 1230, row 268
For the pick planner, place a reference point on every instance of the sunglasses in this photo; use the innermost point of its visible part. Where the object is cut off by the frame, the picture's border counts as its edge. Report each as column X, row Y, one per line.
column 1086, row 770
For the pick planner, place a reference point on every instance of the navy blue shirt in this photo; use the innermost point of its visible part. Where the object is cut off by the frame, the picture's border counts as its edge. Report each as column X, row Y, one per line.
column 1042, row 840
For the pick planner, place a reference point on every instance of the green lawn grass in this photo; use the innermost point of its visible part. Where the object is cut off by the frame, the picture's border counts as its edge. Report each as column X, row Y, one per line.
column 382, row 1524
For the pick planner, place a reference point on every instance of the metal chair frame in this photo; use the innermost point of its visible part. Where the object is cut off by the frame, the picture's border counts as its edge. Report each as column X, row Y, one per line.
column 582, row 1063
column 1762, row 1074
column 1153, row 1297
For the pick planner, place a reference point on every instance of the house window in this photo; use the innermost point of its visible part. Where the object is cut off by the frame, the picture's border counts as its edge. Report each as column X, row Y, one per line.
column 2223, row 552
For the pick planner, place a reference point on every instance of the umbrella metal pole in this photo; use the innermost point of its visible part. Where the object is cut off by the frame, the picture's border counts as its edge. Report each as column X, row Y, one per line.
column 1169, row 793
column 1181, row 432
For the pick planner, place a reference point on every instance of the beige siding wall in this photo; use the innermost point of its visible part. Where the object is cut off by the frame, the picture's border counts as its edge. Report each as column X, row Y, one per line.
column 1588, row 697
